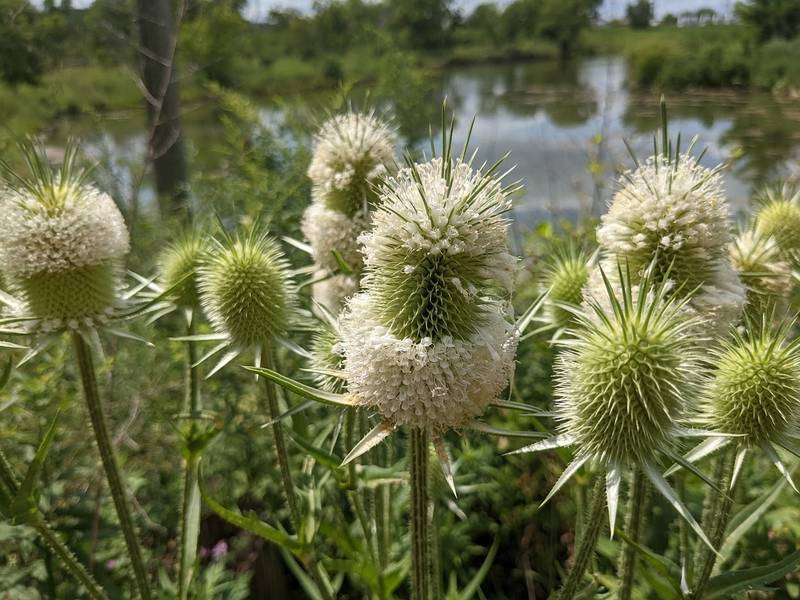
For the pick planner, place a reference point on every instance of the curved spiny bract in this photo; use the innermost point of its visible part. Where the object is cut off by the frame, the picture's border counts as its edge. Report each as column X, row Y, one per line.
column 178, row 268
column 673, row 211
column 246, row 289
column 754, row 390
column 62, row 245
column 623, row 381
column 352, row 153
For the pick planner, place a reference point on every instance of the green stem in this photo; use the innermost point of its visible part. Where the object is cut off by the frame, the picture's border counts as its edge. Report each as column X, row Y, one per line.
column 190, row 503
column 717, row 522
column 633, row 526
column 420, row 542
column 312, row 564
column 588, row 540
column 51, row 538
column 104, row 446
column 280, row 443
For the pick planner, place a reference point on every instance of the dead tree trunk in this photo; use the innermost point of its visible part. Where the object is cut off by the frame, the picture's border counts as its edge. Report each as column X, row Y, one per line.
column 158, row 41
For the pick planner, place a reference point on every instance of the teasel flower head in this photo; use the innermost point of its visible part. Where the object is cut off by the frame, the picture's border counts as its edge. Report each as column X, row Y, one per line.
column 778, row 216
column 623, row 383
column 327, row 358
column 672, row 210
column 352, row 152
column 331, row 232
column 564, row 280
column 753, row 395
column 332, row 291
column 62, row 245
column 178, row 267
column 761, row 268
column 428, row 342
column 246, row 289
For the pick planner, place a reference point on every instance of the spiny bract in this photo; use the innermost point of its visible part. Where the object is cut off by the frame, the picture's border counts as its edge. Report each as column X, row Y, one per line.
column 755, row 387
column 437, row 254
column 246, row 289
column 178, row 268
column 62, row 243
column 622, row 382
column 352, row 152
column 327, row 359
column 672, row 210
column 779, row 217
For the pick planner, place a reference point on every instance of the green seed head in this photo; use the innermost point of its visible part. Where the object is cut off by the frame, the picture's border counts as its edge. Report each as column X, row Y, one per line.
column 178, row 268
column 246, row 290
column 624, row 379
column 755, row 386
column 779, row 217
column 565, row 277
column 62, row 242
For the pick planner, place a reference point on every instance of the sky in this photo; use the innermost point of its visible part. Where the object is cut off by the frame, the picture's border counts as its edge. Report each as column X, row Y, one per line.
column 611, row 9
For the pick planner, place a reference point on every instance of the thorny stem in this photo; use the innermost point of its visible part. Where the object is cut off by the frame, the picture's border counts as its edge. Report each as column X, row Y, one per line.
column 587, row 542
column 633, row 526
column 717, row 521
column 286, row 475
column 104, row 446
column 420, row 543
column 190, row 504
column 51, row 538
column 352, row 484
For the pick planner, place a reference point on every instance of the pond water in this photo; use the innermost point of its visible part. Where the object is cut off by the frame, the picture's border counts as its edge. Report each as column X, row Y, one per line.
column 564, row 126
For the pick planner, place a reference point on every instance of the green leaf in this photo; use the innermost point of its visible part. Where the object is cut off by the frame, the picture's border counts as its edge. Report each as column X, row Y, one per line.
column 301, row 389
column 746, row 518
column 344, row 268
column 472, row 587
column 326, row 459
column 669, row 572
column 725, row 585
column 308, row 585
column 25, row 504
column 190, row 523
column 251, row 523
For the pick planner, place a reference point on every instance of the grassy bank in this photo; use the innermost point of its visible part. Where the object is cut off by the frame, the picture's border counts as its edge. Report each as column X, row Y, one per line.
column 709, row 56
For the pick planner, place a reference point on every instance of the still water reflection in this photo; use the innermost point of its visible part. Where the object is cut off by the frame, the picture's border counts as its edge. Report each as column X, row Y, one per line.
column 563, row 125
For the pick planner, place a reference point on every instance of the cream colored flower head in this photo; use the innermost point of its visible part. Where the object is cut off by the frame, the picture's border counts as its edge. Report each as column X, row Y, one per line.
column 352, row 153
column 672, row 210
column 62, row 243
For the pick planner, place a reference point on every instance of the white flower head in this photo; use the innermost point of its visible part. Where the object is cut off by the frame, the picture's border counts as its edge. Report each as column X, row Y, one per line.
column 62, row 242
column 331, row 291
column 440, row 384
column 352, row 152
column 331, row 231
column 438, row 249
column 672, row 210
column 767, row 276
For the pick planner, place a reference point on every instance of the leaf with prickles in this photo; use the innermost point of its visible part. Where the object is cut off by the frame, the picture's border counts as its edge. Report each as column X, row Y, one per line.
column 226, row 359
column 25, row 504
column 129, row 336
column 558, row 441
column 530, row 313
column 210, row 353
column 573, row 468
column 289, row 413
column 374, row 437
column 664, row 488
column 520, row 406
column 302, row 389
column 741, row 453
column 200, row 337
column 729, row 584
column 444, row 461
column 613, row 479
column 695, row 471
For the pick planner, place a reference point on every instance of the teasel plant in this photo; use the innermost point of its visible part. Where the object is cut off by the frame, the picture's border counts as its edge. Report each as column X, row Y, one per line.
column 62, row 256
column 177, row 267
column 428, row 344
column 752, row 393
column 247, row 292
column 624, row 384
column 563, row 281
column 352, row 153
column 777, row 216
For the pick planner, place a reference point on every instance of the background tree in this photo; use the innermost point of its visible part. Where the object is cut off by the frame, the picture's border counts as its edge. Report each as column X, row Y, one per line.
column 562, row 21
column 521, row 18
column 639, row 14
column 21, row 55
column 423, row 24
column 771, row 18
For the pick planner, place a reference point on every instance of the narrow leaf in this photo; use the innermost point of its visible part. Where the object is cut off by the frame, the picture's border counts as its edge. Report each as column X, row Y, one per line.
column 573, row 468
column 374, row 437
column 302, row 389
column 558, row 441
column 726, row 585
column 444, row 461
column 474, row 584
column 485, row 428
column 776, row 460
column 613, row 479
